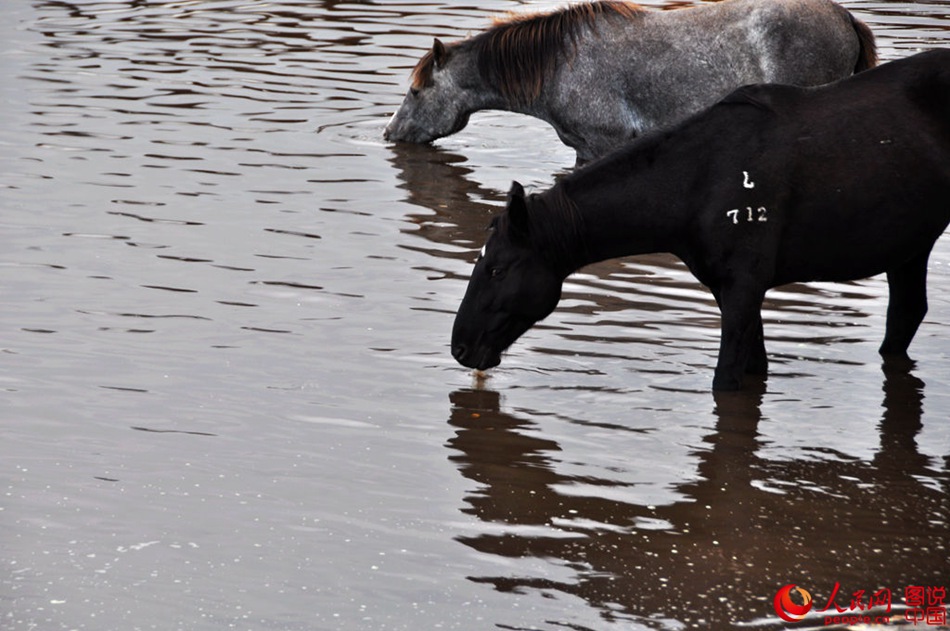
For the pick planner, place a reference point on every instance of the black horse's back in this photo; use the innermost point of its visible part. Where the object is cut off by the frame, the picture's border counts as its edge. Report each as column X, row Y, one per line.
column 932, row 90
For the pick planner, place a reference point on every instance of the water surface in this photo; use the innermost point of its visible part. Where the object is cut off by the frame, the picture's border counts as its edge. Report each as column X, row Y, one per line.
column 228, row 401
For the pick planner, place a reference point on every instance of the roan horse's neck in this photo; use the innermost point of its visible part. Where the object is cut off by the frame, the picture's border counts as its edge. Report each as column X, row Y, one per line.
column 621, row 207
column 526, row 67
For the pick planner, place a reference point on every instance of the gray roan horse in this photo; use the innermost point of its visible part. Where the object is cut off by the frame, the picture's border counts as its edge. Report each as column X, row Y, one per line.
column 603, row 72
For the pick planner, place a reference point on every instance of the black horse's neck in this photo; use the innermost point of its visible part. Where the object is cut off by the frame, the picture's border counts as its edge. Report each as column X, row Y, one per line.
column 618, row 206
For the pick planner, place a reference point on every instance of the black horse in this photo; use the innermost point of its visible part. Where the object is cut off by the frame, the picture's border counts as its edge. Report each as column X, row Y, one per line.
column 772, row 185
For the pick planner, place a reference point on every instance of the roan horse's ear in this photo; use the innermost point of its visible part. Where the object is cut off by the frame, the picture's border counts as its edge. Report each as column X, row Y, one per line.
column 439, row 53
column 517, row 211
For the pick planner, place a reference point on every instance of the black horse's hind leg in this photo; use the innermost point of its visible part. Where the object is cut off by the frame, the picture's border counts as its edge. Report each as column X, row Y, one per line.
column 906, row 306
column 758, row 362
column 741, row 345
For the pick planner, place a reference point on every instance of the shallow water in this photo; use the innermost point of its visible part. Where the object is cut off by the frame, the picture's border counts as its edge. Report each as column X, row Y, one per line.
column 228, row 401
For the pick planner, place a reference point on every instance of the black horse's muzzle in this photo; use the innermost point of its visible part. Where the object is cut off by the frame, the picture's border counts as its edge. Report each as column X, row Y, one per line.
column 479, row 359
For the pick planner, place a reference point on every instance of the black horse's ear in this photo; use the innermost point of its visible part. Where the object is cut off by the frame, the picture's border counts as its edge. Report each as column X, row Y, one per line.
column 439, row 53
column 517, row 211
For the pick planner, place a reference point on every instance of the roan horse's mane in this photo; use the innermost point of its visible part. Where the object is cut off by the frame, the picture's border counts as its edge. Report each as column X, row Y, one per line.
column 519, row 51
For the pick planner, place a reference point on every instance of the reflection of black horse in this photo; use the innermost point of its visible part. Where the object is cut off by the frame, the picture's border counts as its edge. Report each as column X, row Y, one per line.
column 745, row 528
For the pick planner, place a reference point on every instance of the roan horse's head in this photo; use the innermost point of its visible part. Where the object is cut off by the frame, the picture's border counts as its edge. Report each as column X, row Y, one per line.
column 512, row 286
column 438, row 103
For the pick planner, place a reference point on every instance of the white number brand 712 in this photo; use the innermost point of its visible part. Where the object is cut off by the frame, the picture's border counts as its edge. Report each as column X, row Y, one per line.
column 751, row 214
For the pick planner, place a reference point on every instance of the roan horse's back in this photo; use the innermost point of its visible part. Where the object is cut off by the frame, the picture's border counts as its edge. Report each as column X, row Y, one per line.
column 710, row 51
column 793, row 42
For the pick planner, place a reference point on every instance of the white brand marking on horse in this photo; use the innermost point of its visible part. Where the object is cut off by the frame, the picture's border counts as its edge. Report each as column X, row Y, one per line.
column 746, row 182
column 760, row 214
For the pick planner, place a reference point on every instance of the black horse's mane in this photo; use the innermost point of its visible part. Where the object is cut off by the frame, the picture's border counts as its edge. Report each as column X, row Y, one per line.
column 556, row 228
column 518, row 52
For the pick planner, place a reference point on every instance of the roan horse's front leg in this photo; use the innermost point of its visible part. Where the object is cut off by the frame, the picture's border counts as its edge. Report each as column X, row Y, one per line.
column 741, row 343
column 907, row 304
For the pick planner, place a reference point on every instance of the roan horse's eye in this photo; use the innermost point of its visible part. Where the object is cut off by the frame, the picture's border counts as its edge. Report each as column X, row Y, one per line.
column 414, row 92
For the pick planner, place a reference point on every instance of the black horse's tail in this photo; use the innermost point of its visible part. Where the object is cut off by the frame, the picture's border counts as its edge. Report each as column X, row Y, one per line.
column 867, row 47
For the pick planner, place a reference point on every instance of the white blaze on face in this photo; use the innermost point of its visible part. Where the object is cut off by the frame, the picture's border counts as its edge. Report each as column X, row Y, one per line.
column 481, row 254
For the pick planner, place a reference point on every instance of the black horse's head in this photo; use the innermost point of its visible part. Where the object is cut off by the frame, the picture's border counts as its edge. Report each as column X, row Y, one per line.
column 512, row 286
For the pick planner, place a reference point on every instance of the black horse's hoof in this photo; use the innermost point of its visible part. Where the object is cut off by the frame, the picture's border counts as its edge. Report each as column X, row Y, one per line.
column 726, row 383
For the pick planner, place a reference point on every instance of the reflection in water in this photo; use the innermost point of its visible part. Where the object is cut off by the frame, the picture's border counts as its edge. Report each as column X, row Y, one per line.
column 458, row 208
column 748, row 525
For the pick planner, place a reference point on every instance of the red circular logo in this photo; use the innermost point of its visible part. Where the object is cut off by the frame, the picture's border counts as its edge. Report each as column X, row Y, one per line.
column 786, row 609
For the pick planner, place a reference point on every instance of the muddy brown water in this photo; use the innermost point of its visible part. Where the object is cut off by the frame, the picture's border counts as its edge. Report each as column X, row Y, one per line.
column 227, row 395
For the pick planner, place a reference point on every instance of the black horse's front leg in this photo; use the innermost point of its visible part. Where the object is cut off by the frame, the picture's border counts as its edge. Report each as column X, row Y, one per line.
column 741, row 344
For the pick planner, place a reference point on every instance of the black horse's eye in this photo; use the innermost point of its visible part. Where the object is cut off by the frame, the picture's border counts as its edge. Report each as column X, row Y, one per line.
column 496, row 272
